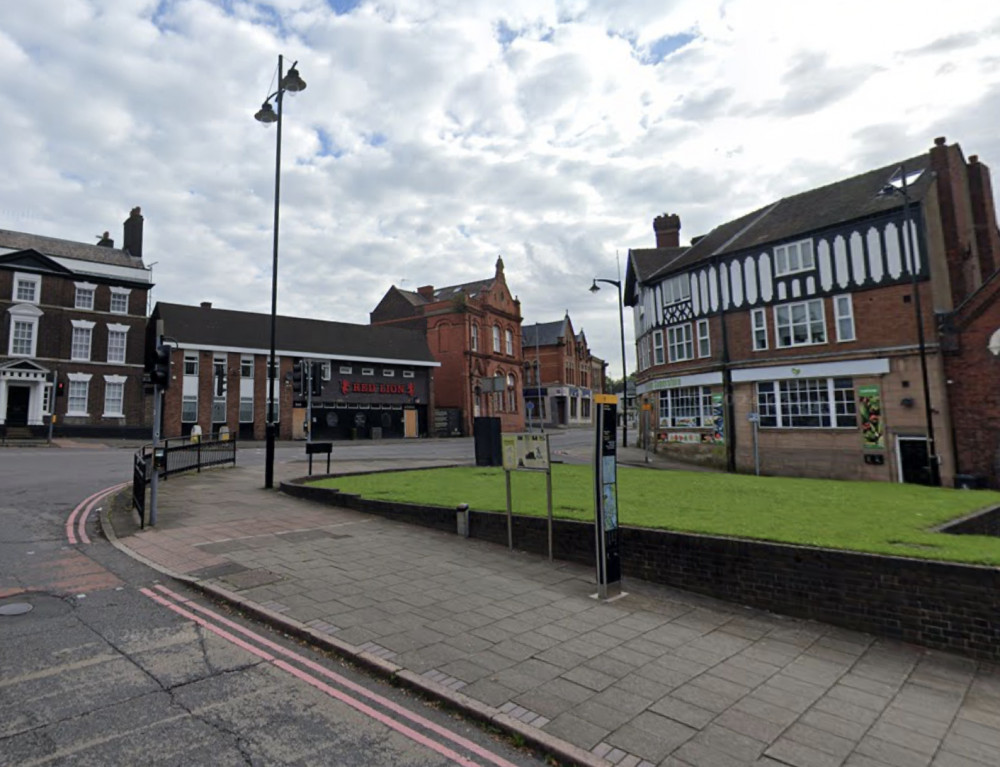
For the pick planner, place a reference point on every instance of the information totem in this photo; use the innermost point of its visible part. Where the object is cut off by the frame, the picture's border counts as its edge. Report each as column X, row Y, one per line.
column 609, row 569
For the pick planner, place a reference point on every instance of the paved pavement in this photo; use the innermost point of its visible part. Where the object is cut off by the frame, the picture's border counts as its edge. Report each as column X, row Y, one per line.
column 658, row 677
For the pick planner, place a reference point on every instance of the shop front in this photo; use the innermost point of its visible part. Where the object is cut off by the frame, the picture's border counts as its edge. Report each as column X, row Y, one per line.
column 368, row 404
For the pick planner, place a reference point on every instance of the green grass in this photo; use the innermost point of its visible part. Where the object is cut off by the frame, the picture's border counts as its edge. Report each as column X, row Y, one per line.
column 878, row 517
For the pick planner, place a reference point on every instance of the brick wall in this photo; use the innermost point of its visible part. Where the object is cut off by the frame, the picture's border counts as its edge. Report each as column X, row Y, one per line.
column 941, row 605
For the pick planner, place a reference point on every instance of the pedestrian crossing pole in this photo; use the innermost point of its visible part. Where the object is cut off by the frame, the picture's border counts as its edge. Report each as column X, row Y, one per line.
column 606, row 534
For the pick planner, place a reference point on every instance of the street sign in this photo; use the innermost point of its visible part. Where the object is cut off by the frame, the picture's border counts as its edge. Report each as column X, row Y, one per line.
column 606, row 533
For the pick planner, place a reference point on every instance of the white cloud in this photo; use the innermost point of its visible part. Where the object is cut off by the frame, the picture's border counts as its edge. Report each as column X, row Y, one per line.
column 435, row 135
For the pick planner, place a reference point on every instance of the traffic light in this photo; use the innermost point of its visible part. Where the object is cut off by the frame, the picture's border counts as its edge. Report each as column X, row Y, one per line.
column 298, row 379
column 160, row 375
column 60, row 388
column 317, row 379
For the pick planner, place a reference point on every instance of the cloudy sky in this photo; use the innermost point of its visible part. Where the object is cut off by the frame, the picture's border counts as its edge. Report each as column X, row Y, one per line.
column 435, row 135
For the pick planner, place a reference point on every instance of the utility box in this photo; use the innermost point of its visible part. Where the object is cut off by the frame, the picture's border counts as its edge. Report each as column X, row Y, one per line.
column 486, row 435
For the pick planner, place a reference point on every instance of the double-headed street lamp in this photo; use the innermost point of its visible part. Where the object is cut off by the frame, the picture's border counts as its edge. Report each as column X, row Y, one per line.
column 933, row 470
column 268, row 114
column 621, row 322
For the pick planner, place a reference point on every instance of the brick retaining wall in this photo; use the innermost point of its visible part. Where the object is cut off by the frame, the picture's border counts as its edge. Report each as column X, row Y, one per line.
column 942, row 605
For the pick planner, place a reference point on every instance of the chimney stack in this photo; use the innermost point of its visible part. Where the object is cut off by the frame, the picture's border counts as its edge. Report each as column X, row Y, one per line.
column 105, row 241
column 426, row 291
column 667, row 229
column 206, row 304
column 133, row 233
column 984, row 219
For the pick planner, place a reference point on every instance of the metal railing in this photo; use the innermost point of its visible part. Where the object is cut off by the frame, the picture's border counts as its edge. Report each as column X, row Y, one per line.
column 180, row 454
column 174, row 456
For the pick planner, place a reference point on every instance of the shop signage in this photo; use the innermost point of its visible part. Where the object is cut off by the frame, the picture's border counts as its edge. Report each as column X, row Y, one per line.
column 358, row 387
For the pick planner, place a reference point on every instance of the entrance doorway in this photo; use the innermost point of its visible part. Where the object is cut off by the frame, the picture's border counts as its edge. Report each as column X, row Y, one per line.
column 913, row 456
column 18, row 400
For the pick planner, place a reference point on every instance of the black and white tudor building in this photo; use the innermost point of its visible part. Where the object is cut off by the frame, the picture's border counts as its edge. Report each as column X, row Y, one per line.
column 793, row 340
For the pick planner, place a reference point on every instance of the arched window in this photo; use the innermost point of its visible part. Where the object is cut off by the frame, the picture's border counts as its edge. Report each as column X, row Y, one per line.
column 496, row 339
column 511, row 393
column 508, row 341
column 474, row 339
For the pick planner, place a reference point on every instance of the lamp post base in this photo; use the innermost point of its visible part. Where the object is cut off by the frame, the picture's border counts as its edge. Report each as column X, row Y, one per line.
column 269, row 457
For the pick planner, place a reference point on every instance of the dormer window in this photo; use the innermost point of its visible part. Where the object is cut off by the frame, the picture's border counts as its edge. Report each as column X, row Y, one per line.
column 793, row 257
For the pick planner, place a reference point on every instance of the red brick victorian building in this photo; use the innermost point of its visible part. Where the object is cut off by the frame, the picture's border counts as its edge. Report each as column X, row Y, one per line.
column 474, row 331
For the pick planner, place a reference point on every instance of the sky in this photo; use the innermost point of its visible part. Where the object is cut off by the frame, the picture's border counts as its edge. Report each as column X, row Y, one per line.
column 435, row 135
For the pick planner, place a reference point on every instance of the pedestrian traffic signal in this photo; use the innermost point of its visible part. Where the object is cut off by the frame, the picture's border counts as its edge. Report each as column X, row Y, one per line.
column 160, row 375
column 60, row 388
column 316, row 379
column 298, row 379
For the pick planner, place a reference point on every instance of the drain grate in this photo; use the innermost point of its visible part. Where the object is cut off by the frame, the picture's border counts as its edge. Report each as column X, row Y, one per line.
column 251, row 579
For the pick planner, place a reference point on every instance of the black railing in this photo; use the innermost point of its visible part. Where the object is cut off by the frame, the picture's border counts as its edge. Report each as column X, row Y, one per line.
column 180, row 454
column 174, row 456
column 140, row 477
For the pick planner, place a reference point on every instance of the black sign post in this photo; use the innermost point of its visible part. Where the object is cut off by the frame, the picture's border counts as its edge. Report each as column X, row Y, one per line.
column 609, row 568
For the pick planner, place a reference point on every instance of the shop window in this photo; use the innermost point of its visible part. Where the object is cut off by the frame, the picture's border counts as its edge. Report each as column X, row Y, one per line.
column 810, row 403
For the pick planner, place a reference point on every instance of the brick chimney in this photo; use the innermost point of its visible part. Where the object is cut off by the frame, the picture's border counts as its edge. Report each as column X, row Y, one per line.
column 105, row 241
column 426, row 291
column 133, row 233
column 946, row 162
column 668, row 230
column 984, row 216
column 206, row 304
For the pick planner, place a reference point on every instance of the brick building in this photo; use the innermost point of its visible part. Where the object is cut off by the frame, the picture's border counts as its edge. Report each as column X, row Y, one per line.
column 474, row 331
column 72, row 319
column 561, row 375
column 797, row 324
column 373, row 382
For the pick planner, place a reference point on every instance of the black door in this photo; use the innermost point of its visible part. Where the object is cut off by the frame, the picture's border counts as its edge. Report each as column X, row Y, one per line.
column 18, row 398
column 913, row 457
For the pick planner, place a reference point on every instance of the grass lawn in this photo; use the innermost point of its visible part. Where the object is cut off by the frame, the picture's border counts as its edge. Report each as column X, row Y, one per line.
column 879, row 517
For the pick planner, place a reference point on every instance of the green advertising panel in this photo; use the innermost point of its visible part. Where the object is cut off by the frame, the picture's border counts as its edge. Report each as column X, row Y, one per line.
column 870, row 410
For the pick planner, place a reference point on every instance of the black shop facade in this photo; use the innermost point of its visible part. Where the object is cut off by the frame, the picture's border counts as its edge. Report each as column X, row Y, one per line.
column 367, row 399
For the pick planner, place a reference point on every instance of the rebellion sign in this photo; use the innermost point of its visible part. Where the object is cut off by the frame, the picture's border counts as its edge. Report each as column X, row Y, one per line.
column 357, row 387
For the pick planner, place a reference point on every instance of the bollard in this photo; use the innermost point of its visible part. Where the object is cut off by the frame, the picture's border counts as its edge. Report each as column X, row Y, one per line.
column 462, row 517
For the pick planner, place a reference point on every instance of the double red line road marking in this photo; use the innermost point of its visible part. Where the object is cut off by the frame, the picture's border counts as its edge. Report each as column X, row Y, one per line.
column 378, row 707
column 76, row 524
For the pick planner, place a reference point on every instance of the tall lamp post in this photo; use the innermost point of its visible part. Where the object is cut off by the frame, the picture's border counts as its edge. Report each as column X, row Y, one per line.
column 621, row 323
column 268, row 114
column 933, row 472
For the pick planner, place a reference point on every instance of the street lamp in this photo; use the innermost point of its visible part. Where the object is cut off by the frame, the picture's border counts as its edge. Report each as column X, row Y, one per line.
column 621, row 322
column 268, row 114
column 933, row 474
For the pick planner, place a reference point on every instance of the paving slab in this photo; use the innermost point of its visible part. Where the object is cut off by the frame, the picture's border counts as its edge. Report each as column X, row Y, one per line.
column 659, row 677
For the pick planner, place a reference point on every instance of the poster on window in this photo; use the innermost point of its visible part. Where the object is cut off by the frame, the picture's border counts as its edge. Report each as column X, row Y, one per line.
column 718, row 422
column 870, row 410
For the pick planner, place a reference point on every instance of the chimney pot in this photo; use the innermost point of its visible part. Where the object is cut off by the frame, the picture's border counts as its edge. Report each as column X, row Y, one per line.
column 667, row 229
column 940, row 141
column 105, row 241
column 973, row 159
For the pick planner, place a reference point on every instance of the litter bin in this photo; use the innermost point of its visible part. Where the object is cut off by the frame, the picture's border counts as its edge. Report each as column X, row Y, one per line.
column 969, row 482
column 486, row 435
